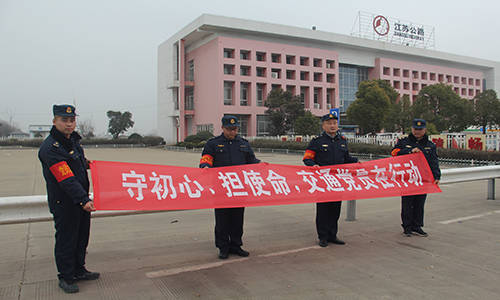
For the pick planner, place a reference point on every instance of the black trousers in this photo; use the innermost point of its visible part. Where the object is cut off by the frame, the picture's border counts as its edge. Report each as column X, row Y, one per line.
column 327, row 216
column 412, row 211
column 72, row 225
column 229, row 227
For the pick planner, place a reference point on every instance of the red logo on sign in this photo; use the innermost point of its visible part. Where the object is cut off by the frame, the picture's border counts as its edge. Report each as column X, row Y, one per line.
column 381, row 25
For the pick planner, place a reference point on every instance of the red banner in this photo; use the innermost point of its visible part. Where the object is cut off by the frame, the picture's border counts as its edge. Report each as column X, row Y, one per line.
column 131, row 186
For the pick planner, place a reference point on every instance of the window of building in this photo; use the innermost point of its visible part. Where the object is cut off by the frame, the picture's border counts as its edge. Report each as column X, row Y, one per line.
column 228, row 69
column 330, row 98
column 406, row 85
column 414, row 86
column 330, row 78
column 318, row 76
column 290, row 59
column 245, row 54
column 406, row 73
column 304, row 75
column 228, row 92
column 464, row 91
column 423, row 75
column 387, row 71
column 396, row 72
column 317, row 98
column 276, row 73
column 440, row 77
column 318, row 62
column 205, row 127
column 432, row 76
column 471, row 81
column 464, row 80
column 304, row 61
column 260, row 95
column 350, row 76
column 456, row 79
column 397, row 84
column 228, row 53
column 471, row 92
column 263, row 124
column 330, row 64
column 456, row 90
column 261, row 72
column 304, row 96
column 245, row 70
column 414, row 74
column 290, row 74
column 190, row 72
column 276, row 58
column 275, row 86
column 478, row 92
column 244, row 90
column 448, row 78
column 478, row 82
column 290, row 89
column 423, row 85
column 189, row 99
column 175, row 97
column 260, row 56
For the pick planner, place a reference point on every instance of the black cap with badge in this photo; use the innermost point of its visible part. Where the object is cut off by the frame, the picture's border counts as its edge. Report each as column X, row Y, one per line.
column 419, row 124
column 329, row 116
column 64, row 110
column 230, row 121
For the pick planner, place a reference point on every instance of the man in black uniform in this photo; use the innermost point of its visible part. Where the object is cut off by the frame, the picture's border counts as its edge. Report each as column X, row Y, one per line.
column 330, row 148
column 228, row 149
column 65, row 171
column 412, row 207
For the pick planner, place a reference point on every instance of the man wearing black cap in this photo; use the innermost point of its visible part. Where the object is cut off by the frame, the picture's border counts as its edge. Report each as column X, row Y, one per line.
column 330, row 148
column 412, row 207
column 65, row 171
column 228, row 149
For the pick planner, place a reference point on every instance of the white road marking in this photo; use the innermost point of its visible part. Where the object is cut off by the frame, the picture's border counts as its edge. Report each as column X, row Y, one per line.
column 469, row 217
column 175, row 271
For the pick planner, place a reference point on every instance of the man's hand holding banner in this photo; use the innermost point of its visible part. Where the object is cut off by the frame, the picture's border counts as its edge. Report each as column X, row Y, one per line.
column 132, row 186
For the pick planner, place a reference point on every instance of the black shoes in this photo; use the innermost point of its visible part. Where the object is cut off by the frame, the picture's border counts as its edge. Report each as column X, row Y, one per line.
column 87, row 275
column 69, row 287
column 323, row 243
column 419, row 231
column 239, row 252
column 336, row 241
column 407, row 232
column 223, row 254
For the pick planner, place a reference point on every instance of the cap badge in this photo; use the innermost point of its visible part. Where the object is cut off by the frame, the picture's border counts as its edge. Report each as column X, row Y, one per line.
column 68, row 110
column 232, row 121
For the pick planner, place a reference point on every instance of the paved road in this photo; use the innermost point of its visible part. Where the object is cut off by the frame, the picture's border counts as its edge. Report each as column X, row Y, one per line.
column 172, row 256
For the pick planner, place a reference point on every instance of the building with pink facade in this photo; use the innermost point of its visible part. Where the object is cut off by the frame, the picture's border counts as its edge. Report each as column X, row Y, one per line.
column 219, row 65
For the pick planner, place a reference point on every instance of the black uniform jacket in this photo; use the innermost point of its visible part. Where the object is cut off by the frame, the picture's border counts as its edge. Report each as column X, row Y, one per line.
column 221, row 152
column 405, row 145
column 325, row 150
column 64, row 168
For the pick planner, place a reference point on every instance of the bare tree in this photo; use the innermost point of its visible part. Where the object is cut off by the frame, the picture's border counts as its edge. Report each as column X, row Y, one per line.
column 86, row 128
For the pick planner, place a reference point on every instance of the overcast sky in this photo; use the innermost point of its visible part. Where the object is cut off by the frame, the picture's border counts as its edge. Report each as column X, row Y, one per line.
column 103, row 54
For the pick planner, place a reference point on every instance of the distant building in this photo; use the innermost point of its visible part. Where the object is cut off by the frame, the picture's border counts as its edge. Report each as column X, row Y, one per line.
column 18, row 135
column 39, row 131
column 220, row 65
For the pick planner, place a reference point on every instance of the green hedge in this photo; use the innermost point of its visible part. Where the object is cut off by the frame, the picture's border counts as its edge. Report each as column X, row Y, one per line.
column 147, row 140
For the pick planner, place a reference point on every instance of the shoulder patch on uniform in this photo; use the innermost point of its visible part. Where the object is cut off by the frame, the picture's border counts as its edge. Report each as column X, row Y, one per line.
column 220, row 145
column 56, row 144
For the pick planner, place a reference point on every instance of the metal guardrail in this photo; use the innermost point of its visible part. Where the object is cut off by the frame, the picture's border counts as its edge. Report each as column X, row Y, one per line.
column 366, row 156
column 25, row 209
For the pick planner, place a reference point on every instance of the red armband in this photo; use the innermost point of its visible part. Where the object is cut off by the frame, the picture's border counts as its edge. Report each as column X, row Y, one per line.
column 207, row 159
column 61, row 171
column 309, row 155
